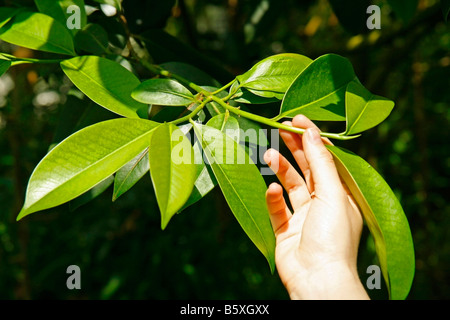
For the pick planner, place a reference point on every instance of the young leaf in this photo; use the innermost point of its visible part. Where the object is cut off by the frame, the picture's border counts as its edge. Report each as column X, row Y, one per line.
column 164, row 92
column 318, row 92
column 105, row 82
column 39, row 32
column 272, row 76
column 84, row 159
column 385, row 219
column 363, row 109
column 130, row 173
column 246, row 197
column 57, row 9
column 172, row 170
column 92, row 38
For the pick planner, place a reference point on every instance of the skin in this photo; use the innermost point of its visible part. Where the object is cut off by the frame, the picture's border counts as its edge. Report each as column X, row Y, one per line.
column 317, row 243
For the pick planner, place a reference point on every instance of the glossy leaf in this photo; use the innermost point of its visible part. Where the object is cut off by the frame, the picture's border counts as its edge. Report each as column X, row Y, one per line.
column 319, row 91
column 105, row 82
column 83, row 160
column 130, row 173
column 385, row 218
column 172, row 170
column 164, row 92
column 364, row 110
column 246, row 197
column 38, row 31
column 114, row 3
column 57, row 9
column 272, row 76
column 92, row 38
column 404, row 9
column 227, row 124
column 242, row 95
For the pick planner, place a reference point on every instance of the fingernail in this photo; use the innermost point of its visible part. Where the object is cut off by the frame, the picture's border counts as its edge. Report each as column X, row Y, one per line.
column 268, row 156
column 313, row 136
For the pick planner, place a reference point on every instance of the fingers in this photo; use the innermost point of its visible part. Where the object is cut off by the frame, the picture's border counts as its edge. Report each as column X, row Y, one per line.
column 301, row 121
column 323, row 170
column 279, row 212
column 289, row 177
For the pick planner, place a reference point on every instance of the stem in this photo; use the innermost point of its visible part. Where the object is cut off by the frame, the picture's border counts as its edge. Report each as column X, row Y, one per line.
column 15, row 60
column 224, row 87
column 275, row 124
column 193, row 113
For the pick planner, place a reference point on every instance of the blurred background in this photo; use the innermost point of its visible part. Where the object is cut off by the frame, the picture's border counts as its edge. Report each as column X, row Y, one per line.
column 203, row 253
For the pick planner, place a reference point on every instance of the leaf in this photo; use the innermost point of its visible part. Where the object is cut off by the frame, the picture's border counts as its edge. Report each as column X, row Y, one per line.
column 92, row 38
column 39, row 32
column 4, row 66
column 244, row 96
column 404, row 9
column 253, row 132
column 115, row 3
column 227, row 124
column 130, row 173
column 105, row 82
column 91, row 194
column 6, row 14
column 385, row 218
column 172, row 170
column 319, row 91
column 272, row 76
column 57, row 9
column 164, row 92
column 363, row 109
column 84, row 159
column 246, row 197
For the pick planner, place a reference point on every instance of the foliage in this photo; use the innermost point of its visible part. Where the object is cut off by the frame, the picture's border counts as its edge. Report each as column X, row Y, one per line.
column 125, row 75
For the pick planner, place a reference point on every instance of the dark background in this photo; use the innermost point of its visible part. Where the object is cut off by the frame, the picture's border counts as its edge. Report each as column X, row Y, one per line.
column 203, row 253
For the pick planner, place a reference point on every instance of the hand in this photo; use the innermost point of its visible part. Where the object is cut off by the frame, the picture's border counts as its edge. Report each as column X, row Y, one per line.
column 317, row 245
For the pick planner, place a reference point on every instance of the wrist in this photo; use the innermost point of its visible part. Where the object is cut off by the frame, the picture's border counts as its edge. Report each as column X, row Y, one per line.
column 332, row 282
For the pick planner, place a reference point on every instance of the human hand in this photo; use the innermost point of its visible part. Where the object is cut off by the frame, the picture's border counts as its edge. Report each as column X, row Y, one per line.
column 317, row 245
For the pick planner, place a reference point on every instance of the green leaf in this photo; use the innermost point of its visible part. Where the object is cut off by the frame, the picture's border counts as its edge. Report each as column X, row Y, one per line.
column 91, row 194
column 4, row 66
column 6, row 14
column 253, row 132
column 404, row 9
column 319, row 91
column 92, row 38
column 364, row 110
column 385, row 218
column 172, row 170
column 39, row 32
column 84, row 159
column 246, row 197
column 272, row 76
column 57, row 9
column 227, row 124
column 130, row 173
column 164, row 92
column 242, row 95
column 105, row 82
